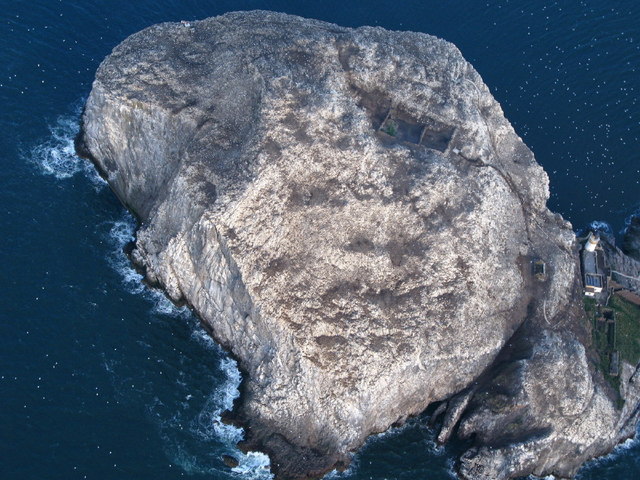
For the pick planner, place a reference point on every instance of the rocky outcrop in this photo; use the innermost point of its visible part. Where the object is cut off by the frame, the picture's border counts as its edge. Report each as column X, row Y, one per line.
column 355, row 220
column 631, row 241
column 545, row 412
column 622, row 268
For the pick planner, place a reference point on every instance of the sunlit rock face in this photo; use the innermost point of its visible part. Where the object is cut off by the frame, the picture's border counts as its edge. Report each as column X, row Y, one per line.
column 352, row 216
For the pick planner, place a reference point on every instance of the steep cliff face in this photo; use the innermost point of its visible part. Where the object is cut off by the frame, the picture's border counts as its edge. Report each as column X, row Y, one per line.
column 354, row 218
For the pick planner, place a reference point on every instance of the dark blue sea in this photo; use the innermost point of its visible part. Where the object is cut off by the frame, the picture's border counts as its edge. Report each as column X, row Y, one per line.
column 103, row 378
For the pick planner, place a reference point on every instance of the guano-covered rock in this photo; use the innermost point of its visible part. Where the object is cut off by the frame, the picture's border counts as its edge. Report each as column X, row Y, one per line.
column 352, row 216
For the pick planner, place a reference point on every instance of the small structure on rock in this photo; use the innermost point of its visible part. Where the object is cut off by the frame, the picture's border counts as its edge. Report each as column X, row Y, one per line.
column 592, row 242
column 539, row 270
column 593, row 267
column 427, row 132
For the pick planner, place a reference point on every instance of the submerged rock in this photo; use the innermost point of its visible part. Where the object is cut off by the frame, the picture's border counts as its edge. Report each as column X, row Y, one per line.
column 230, row 461
column 352, row 216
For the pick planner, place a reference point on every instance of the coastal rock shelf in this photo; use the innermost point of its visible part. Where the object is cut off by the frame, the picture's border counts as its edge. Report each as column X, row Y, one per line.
column 352, row 216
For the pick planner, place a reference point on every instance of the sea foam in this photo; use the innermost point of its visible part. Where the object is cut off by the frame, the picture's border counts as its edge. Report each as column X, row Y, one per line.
column 121, row 233
column 208, row 423
column 207, row 426
column 600, row 226
column 253, row 466
column 56, row 155
column 621, row 450
column 628, row 220
column 184, row 433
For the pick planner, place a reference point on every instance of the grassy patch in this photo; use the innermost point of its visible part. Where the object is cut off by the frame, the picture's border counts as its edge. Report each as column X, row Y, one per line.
column 627, row 335
column 590, row 306
column 627, row 329
column 604, row 350
column 390, row 128
column 602, row 344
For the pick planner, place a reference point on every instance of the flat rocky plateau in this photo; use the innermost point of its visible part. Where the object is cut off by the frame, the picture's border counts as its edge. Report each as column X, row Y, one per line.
column 354, row 219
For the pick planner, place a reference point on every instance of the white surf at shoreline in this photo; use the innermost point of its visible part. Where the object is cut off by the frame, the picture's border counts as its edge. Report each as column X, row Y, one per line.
column 55, row 156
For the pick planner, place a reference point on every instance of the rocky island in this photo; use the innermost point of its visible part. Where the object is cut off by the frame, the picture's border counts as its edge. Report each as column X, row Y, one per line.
column 351, row 215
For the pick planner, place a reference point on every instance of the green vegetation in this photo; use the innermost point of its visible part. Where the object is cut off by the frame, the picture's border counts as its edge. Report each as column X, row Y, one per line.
column 390, row 128
column 604, row 349
column 627, row 329
column 624, row 337
column 590, row 306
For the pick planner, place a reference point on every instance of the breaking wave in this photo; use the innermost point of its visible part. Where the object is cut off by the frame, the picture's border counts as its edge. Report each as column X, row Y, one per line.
column 600, row 226
column 205, row 433
column 56, row 155
column 122, row 233
column 209, row 423
column 625, row 449
column 253, row 466
column 196, row 439
column 382, row 452
column 629, row 219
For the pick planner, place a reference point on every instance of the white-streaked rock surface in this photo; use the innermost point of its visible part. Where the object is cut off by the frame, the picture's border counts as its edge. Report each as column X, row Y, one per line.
column 357, row 275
